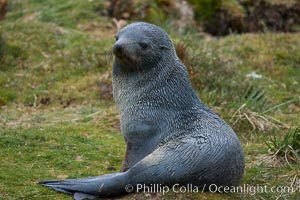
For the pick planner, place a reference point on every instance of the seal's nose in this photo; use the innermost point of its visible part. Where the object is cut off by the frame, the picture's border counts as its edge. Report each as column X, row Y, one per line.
column 118, row 48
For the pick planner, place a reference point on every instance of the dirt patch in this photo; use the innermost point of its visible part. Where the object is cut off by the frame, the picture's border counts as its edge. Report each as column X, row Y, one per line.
column 177, row 12
column 2, row 44
column 3, row 8
column 105, row 87
column 254, row 16
column 276, row 16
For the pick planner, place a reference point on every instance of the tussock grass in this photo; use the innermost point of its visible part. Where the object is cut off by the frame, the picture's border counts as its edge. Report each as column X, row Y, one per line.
column 287, row 147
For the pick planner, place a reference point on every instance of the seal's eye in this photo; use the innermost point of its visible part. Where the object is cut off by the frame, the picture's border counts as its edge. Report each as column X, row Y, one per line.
column 143, row 45
column 116, row 37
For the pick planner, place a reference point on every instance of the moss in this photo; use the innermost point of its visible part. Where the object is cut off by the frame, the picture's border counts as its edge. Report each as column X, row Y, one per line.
column 6, row 96
column 9, row 54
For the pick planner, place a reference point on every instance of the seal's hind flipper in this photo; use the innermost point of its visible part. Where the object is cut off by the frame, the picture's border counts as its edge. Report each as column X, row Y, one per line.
column 66, row 186
column 60, row 186
column 81, row 196
column 89, row 188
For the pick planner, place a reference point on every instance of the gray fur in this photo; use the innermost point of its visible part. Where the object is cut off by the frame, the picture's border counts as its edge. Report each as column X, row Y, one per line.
column 171, row 136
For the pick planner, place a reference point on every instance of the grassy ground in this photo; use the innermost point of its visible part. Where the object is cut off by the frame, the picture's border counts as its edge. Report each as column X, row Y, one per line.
column 57, row 120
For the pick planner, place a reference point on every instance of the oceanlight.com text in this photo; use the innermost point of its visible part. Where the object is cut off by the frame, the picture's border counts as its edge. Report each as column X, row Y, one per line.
column 212, row 188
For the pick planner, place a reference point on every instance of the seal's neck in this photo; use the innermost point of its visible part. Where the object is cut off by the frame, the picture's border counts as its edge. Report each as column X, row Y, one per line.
column 168, row 78
column 139, row 77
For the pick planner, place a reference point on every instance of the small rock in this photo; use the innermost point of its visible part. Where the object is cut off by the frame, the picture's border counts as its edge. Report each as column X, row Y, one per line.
column 254, row 75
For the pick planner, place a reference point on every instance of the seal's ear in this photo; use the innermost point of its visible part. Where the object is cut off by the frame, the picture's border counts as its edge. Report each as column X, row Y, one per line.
column 164, row 47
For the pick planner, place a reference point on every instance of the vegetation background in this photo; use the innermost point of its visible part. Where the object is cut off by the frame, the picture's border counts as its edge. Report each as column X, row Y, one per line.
column 57, row 116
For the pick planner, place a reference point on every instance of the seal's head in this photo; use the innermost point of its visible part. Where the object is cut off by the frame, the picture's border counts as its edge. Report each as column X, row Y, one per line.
column 141, row 45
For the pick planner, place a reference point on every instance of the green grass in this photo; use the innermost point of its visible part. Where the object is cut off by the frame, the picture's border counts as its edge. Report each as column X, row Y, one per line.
column 288, row 147
column 61, row 151
column 54, row 123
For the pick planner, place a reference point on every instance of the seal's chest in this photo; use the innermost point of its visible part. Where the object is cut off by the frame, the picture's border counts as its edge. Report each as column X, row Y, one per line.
column 139, row 130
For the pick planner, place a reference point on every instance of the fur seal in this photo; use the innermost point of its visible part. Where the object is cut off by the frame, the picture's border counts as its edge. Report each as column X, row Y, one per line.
column 171, row 136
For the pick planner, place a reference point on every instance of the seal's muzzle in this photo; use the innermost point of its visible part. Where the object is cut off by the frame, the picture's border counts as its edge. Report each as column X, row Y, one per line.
column 118, row 49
